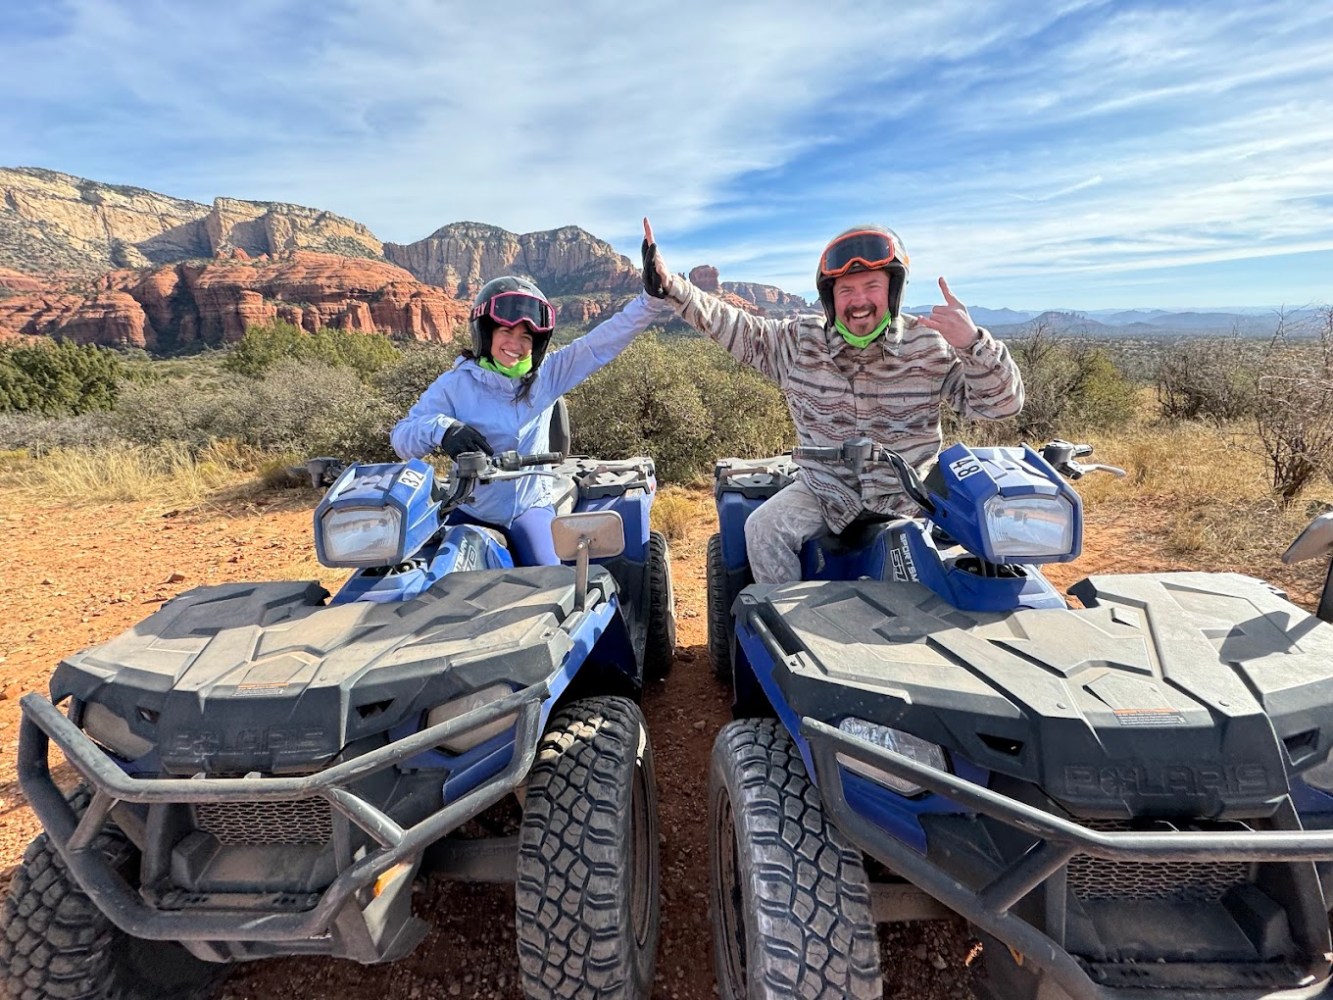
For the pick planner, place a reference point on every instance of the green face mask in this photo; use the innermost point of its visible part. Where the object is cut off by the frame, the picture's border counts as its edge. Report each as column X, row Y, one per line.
column 517, row 370
column 865, row 341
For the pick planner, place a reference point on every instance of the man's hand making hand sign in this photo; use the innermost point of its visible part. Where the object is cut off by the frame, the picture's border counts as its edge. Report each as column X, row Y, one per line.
column 951, row 321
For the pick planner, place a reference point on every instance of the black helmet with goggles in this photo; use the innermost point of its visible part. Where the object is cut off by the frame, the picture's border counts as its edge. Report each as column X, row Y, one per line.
column 508, row 301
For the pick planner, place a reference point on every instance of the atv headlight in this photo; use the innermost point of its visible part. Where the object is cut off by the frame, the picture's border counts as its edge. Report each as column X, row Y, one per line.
column 1030, row 526
column 460, row 706
column 919, row 750
column 362, row 535
column 113, row 732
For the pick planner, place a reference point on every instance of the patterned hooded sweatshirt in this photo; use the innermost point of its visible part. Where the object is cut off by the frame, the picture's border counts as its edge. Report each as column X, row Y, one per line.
column 890, row 391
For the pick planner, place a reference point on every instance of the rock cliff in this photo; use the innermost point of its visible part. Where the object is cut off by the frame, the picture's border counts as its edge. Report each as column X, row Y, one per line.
column 54, row 223
column 166, row 308
column 463, row 256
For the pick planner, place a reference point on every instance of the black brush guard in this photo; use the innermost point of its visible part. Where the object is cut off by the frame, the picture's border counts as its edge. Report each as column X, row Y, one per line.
column 307, row 931
column 1060, row 841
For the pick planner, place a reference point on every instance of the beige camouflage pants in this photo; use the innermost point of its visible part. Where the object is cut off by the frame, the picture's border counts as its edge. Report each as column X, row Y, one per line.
column 776, row 531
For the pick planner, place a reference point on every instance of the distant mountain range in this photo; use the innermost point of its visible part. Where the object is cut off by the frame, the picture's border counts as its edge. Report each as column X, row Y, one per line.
column 1142, row 322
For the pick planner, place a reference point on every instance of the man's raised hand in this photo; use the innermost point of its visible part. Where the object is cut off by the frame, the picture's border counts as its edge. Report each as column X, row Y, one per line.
column 951, row 320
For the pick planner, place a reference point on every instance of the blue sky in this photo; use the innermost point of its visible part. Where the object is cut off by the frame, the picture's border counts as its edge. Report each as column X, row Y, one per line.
column 1071, row 155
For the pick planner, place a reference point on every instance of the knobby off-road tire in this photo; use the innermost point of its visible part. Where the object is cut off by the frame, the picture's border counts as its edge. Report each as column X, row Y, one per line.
column 719, row 612
column 789, row 896
column 588, row 878
column 58, row 944
column 661, row 648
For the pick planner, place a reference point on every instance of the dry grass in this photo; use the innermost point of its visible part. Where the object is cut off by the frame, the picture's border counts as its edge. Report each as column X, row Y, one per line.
column 685, row 514
column 167, row 474
column 1202, row 497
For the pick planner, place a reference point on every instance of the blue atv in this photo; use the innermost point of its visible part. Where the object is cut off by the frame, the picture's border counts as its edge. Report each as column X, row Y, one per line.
column 1127, row 799
column 265, row 769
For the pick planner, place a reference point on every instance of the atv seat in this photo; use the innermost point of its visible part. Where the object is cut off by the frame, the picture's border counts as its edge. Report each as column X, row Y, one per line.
column 858, row 534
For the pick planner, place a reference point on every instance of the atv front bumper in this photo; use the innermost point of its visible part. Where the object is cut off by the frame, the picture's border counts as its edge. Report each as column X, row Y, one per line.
column 1058, row 842
column 363, row 914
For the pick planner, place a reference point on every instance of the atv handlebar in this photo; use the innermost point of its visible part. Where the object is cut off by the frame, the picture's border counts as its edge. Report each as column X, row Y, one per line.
column 1061, row 455
column 858, row 453
column 475, row 468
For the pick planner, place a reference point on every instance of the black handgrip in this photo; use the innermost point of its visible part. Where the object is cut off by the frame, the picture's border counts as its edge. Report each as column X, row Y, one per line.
column 541, row 458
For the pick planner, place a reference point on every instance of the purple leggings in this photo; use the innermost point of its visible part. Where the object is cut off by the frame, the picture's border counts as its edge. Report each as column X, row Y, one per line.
column 529, row 535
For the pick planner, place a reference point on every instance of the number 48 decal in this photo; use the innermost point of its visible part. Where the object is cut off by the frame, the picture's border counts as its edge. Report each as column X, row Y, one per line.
column 964, row 467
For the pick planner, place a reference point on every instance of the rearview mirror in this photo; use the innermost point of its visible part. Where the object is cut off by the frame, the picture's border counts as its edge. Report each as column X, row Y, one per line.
column 592, row 534
column 600, row 533
column 1316, row 540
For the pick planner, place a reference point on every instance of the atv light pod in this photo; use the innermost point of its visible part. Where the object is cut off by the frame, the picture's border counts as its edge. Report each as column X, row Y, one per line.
column 113, row 732
column 897, row 741
column 1005, row 505
column 455, row 707
column 377, row 515
column 1030, row 526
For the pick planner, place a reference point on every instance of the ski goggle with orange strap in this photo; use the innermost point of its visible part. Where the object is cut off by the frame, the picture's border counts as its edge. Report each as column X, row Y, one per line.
column 867, row 247
column 512, row 308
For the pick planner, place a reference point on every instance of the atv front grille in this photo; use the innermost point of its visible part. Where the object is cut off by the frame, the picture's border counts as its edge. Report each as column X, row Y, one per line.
column 1179, row 881
column 254, row 824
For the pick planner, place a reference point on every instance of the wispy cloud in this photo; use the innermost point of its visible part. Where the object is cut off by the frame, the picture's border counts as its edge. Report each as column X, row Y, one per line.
column 1022, row 149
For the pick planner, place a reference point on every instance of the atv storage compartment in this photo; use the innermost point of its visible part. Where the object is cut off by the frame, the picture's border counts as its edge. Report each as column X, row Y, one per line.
column 1117, row 799
column 739, row 486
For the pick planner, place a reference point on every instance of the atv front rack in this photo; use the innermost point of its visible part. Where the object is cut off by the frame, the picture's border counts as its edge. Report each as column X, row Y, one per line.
column 1059, row 841
column 307, row 930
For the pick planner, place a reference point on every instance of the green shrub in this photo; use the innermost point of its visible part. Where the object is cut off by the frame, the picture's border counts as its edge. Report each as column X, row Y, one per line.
column 263, row 347
column 59, row 377
column 419, row 364
column 685, row 403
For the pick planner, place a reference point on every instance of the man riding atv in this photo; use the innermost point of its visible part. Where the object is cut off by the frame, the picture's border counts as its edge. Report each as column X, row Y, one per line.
column 862, row 369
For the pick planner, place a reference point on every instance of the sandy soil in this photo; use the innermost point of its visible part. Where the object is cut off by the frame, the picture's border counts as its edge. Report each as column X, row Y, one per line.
column 79, row 576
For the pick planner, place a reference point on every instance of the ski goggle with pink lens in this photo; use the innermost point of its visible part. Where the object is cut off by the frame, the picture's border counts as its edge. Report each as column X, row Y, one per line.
column 509, row 309
column 867, row 247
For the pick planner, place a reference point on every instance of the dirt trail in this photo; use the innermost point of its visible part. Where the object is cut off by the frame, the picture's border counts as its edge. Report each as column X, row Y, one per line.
column 75, row 578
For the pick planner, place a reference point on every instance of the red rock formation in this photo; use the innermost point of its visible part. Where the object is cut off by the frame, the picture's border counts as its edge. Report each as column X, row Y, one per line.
column 704, row 277
column 215, row 302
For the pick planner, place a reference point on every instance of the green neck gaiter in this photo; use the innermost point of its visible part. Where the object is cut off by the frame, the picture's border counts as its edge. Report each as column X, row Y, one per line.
column 865, row 341
column 517, row 370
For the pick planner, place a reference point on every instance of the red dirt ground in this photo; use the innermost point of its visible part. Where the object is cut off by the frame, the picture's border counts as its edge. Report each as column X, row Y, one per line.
column 75, row 577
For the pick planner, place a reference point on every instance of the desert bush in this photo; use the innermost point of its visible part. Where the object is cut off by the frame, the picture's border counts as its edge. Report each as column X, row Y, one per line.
column 1295, row 422
column 38, row 435
column 57, row 378
column 263, row 347
column 1207, row 380
column 685, row 405
column 402, row 383
column 302, row 408
column 1070, row 388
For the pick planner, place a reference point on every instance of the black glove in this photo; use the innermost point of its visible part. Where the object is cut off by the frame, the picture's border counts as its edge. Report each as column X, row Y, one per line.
column 652, row 280
column 461, row 437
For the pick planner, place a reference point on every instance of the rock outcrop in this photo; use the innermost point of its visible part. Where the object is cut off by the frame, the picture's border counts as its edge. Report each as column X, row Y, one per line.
column 704, row 277
column 569, row 261
column 771, row 299
column 167, row 308
column 262, row 227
